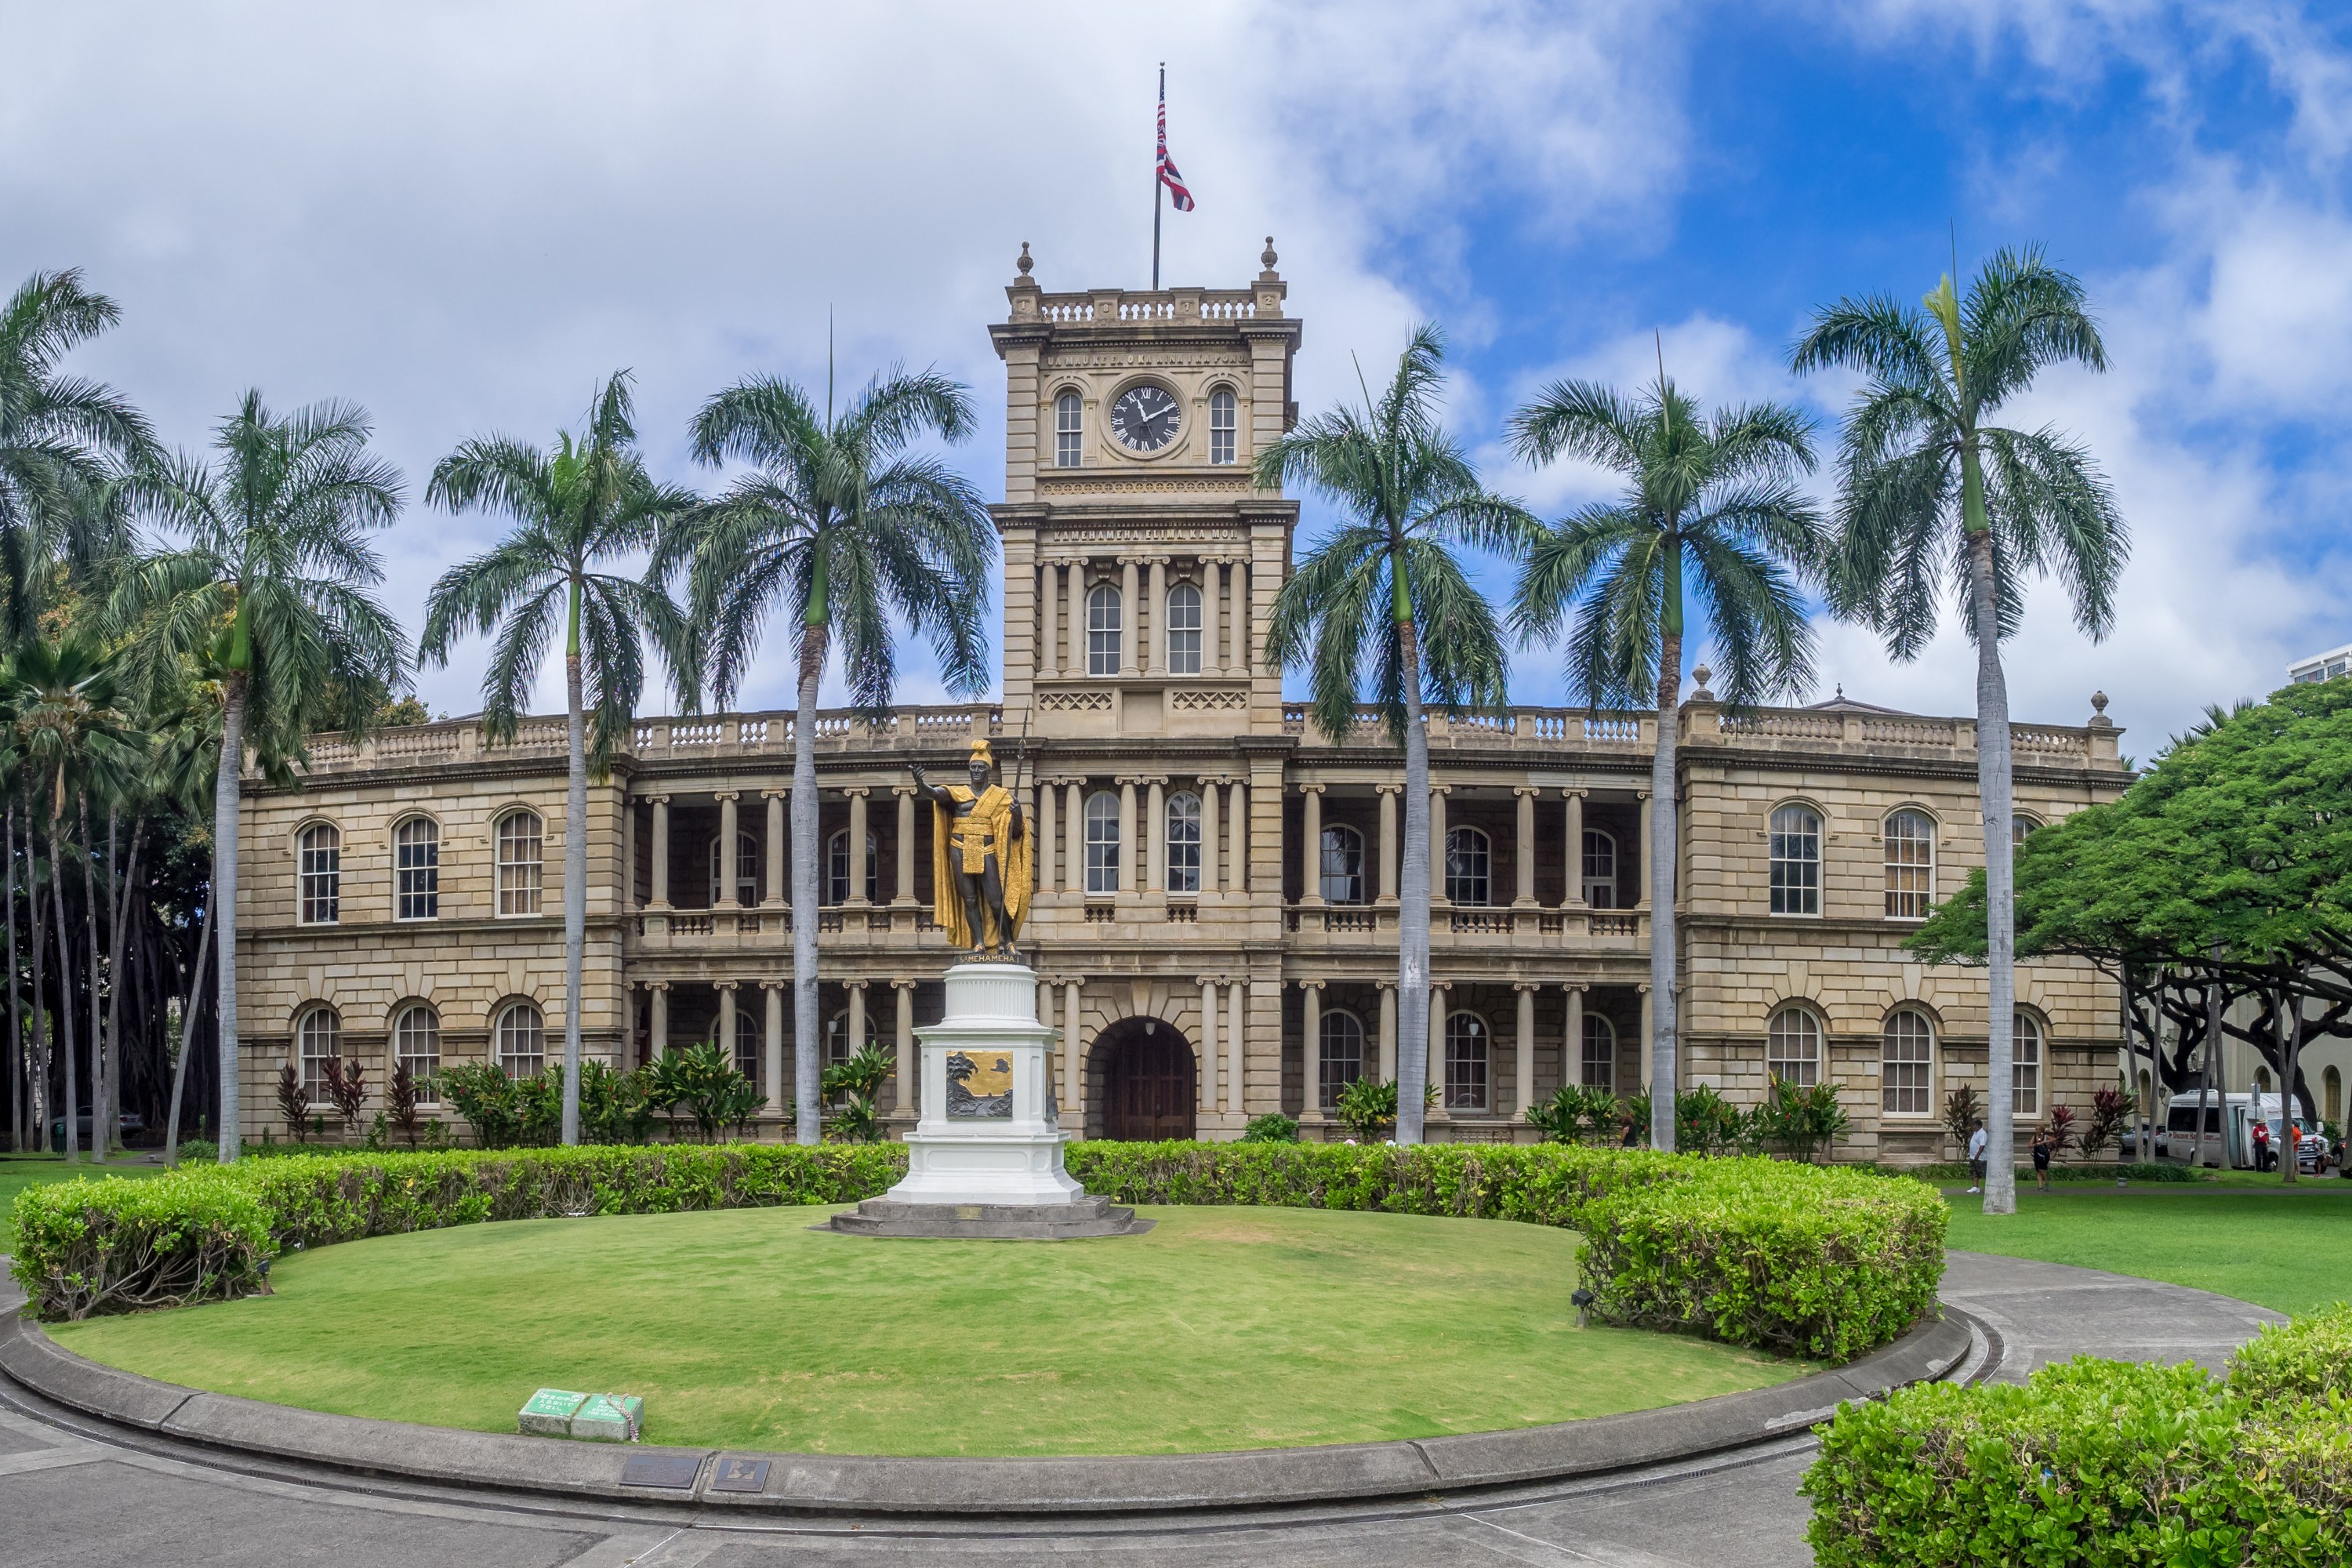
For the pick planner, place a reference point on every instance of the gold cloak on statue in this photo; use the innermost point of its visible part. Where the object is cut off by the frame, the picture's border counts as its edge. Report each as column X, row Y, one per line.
column 971, row 840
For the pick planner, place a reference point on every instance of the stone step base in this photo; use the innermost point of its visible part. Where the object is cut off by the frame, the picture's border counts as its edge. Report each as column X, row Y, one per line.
column 1086, row 1217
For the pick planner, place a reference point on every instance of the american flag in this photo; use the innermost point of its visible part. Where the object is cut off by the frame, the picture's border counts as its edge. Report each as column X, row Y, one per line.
column 1169, row 177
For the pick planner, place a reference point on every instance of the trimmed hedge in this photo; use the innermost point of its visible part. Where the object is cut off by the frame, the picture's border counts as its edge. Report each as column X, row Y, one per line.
column 1821, row 1262
column 2099, row 1463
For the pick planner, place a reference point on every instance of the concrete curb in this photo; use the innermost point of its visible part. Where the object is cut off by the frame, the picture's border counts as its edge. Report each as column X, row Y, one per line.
column 826, row 1484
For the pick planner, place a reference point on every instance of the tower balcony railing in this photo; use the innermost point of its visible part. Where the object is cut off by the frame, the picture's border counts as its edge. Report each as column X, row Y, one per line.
column 1517, row 929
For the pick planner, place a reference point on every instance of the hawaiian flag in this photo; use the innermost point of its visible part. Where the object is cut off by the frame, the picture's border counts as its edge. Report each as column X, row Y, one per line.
column 1169, row 177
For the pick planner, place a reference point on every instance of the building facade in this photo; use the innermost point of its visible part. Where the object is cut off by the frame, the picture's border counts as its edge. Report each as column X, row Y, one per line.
column 1215, row 910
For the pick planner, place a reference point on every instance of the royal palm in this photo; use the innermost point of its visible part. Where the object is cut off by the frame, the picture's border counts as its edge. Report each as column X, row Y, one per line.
column 270, row 578
column 839, row 526
column 1381, row 603
column 576, row 506
column 1933, row 496
column 1709, row 519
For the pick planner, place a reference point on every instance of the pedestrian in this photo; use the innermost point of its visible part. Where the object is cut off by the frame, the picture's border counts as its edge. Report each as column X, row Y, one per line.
column 1977, row 1141
column 2042, row 1159
column 2262, row 1144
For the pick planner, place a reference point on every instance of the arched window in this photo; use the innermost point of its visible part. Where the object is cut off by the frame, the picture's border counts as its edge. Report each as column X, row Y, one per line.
column 321, row 874
column 747, row 1042
column 1183, row 845
column 1599, row 870
column 747, row 869
column 416, row 1046
column 1184, row 630
column 1910, row 865
column 520, row 840
column 1598, row 1064
column 1343, row 865
column 2331, row 1096
column 521, row 1041
column 1103, row 625
column 1906, row 1084
column 1102, row 843
column 1070, row 427
column 1465, row 1062
column 1796, row 848
column 320, row 1038
column 416, row 870
column 1466, row 862
column 838, row 1049
column 1223, row 421
column 1341, row 1053
column 837, row 866
column 2025, row 1072
column 1792, row 1047
column 2021, row 826
column 2261, row 1080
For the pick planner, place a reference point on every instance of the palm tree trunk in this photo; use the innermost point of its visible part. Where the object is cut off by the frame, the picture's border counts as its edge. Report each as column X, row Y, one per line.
column 65, row 991
column 102, row 1126
column 116, row 989
column 807, row 1068
column 2001, row 893
column 1412, row 906
column 40, row 1002
column 2290, row 1070
column 224, row 903
column 20, row 1085
column 575, row 881
column 1665, row 1074
column 187, row 1033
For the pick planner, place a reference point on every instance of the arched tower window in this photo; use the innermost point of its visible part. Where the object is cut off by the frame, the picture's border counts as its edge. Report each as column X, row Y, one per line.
column 1184, row 630
column 1069, row 430
column 1224, row 420
column 1104, row 625
column 1598, row 1065
column 1796, row 848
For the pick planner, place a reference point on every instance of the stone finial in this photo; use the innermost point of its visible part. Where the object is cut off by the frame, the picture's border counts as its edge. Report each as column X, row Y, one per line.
column 1702, row 675
column 2099, row 720
column 1266, row 258
column 1025, row 263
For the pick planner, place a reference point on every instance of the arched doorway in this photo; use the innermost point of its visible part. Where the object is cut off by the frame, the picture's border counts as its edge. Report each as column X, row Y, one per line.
column 1144, row 1066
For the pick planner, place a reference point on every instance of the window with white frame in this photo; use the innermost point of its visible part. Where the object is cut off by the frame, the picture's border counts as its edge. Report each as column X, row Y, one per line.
column 1103, row 630
column 747, row 1042
column 1341, row 1051
column 416, row 870
column 520, row 847
column 1468, row 859
column 1102, row 844
column 1343, row 865
column 521, row 1041
column 747, row 869
column 1467, row 1053
column 1600, row 879
column 319, row 1036
column 416, row 1046
column 2026, row 1066
column 837, row 872
column 1910, row 838
column 1184, row 842
column 1224, row 420
column 1598, row 1063
column 1069, row 430
column 1792, row 1047
column 1906, row 1080
column 838, row 1049
column 2021, row 826
column 1796, row 856
column 321, row 869
column 1184, row 629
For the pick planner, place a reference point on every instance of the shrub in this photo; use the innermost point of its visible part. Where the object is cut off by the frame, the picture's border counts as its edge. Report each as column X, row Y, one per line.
column 1707, row 1123
column 859, row 1081
column 1575, row 1112
column 88, row 1247
column 2309, row 1359
column 1963, row 1109
column 1272, row 1128
column 293, row 1102
column 1367, row 1109
column 615, row 1107
column 1800, row 1121
column 2111, row 1117
column 702, row 1079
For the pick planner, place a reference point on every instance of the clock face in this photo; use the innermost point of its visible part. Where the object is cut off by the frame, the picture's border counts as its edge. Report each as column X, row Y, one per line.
column 1144, row 417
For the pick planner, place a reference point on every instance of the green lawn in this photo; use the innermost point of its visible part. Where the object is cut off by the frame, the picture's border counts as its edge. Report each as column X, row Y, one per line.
column 18, row 1172
column 1220, row 1328
column 2287, row 1249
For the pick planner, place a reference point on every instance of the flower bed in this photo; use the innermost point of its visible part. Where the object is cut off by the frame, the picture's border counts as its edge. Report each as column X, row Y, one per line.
column 1823, row 1263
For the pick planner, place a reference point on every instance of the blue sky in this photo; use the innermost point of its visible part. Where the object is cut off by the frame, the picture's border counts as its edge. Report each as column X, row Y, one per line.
column 462, row 217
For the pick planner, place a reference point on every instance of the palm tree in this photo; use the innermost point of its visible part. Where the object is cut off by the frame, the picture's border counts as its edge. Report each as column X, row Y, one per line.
column 270, row 581
column 1710, row 502
column 1383, row 600
column 61, row 439
column 576, row 506
column 1933, row 496
column 839, row 525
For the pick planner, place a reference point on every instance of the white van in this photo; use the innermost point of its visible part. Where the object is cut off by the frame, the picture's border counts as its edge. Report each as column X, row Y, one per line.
column 2229, row 1132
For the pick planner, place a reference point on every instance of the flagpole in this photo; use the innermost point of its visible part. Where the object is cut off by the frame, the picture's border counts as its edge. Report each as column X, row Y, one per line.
column 1155, row 178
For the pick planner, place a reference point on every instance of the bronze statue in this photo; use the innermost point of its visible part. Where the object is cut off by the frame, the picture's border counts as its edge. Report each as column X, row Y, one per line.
column 979, row 859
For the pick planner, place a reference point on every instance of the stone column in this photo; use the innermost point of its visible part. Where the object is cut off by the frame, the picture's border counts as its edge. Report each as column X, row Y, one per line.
column 1311, row 845
column 1575, row 899
column 905, row 849
column 661, row 853
column 1127, row 834
column 1523, row 1051
column 1310, row 1054
column 1388, row 872
column 911, row 1091
column 857, row 1042
column 1073, row 835
column 1159, row 601
column 1242, row 660
column 772, row 1045
column 1437, row 1066
column 1049, row 596
column 859, row 865
column 657, row 1024
column 730, row 825
column 1156, row 868
column 628, row 854
column 1049, row 838
column 778, row 837
column 1571, row 1051
column 1078, row 664
column 1213, row 659
column 1641, row 887
column 1208, row 1084
column 1130, row 623
column 1236, row 1008
column 1074, row 1078
column 1437, row 794
column 725, row 989
column 1523, row 858
column 1649, row 1065
column 1387, row 1031
column 1210, row 856
column 1237, row 867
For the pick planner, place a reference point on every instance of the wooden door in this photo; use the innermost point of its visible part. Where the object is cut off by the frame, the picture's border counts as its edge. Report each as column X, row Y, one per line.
column 1148, row 1094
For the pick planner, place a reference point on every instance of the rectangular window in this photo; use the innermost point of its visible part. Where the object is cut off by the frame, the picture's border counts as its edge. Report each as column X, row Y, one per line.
column 1796, row 851
column 416, row 870
column 1184, row 843
column 1102, row 845
column 1068, row 430
column 1184, row 629
column 1222, row 421
column 519, row 847
column 1103, row 629
column 1910, row 865
column 321, row 875
column 2026, row 1067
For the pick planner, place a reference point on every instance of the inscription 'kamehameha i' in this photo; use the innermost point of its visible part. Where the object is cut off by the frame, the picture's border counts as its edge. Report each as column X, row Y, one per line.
column 980, row 1086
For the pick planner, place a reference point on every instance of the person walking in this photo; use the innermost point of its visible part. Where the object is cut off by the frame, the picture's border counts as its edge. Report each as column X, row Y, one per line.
column 2261, row 1143
column 1977, row 1141
column 2042, row 1159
